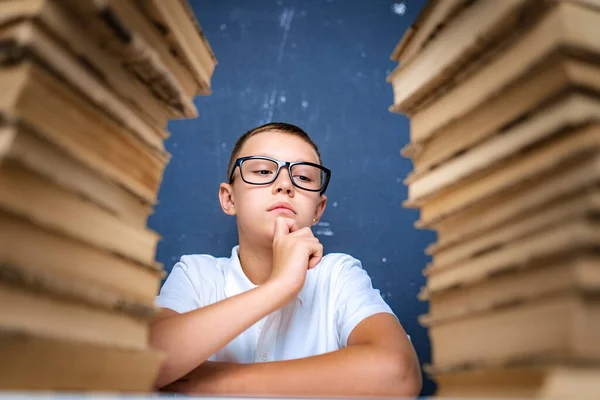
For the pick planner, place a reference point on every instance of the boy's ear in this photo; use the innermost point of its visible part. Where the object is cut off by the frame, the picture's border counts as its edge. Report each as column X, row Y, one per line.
column 320, row 209
column 226, row 198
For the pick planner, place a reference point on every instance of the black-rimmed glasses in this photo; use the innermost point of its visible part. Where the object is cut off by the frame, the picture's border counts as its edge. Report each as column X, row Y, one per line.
column 257, row 170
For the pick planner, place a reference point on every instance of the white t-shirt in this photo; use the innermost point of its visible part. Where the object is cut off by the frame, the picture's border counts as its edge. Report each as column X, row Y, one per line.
column 336, row 296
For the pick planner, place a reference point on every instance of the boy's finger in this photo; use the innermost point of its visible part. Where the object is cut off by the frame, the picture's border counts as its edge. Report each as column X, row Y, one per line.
column 292, row 224
column 281, row 228
column 284, row 226
column 316, row 256
column 304, row 232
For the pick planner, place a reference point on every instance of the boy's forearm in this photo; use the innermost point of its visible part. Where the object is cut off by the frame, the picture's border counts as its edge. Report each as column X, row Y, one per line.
column 190, row 339
column 363, row 370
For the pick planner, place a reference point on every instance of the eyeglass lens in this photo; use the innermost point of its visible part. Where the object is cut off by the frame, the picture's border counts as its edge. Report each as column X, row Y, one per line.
column 262, row 172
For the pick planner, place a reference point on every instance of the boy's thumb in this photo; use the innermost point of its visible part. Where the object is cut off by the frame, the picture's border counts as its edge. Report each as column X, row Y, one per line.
column 281, row 228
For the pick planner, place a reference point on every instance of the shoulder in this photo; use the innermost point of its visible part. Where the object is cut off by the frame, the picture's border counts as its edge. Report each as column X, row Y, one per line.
column 202, row 267
column 338, row 258
column 191, row 283
column 195, row 261
column 336, row 262
column 335, row 266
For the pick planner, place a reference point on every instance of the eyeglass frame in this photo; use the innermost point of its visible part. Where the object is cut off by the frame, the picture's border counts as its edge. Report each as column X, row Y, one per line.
column 280, row 164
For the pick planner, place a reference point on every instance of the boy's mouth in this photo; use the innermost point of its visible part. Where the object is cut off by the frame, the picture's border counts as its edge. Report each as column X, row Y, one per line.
column 282, row 207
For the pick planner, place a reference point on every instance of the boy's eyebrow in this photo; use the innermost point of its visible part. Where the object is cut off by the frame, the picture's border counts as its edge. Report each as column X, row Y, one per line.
column 275, row 158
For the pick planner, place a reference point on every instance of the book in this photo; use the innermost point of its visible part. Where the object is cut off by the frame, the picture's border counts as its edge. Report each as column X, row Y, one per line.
column 86, row 90
column 106, row 147
column 25, row 38
column 569, row 111
column 521, row 169
column 30, row 149
column 433, row 19
column 127, row 34
column 560, row 75
column 37, row 362
column 74, row 260
column 184, row 36
column 61, row 25
column 582, row 234
column 566, row 26
column 471, row 33
column 515, row 283
column 561, row 326
column 518, row 201
column 504, row 109
column 46, row 305
column 511, row 230
column 28, row 194
column 529, row 380
column 130, row 15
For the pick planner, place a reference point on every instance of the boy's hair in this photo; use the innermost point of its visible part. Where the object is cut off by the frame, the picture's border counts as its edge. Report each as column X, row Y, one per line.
column 272, row 126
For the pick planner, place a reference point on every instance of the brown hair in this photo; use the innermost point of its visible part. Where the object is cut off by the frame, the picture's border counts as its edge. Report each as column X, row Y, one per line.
column 272, row 126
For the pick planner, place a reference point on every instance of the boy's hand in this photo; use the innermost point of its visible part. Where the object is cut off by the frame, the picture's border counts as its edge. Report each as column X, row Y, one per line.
column 295, row 251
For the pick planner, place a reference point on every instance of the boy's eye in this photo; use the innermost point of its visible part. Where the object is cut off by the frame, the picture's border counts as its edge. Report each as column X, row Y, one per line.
column 262, row 172
column 302, row 178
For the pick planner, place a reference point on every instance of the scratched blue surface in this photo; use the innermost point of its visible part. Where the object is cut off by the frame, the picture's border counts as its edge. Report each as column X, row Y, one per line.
column 321, row 65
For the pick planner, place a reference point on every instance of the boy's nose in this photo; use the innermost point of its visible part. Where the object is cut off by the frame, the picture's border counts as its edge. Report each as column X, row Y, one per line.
column 283, row 182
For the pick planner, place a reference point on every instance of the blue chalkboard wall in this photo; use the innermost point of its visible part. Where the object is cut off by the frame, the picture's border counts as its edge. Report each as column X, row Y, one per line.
column 320, row 64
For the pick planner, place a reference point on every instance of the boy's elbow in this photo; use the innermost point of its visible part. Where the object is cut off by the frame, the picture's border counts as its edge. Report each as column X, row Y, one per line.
column 168, row 371
column 410, row 383
column 164, row 378
column 405, row 376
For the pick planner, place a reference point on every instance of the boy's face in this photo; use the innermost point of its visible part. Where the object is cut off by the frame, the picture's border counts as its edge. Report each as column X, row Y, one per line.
column 254, row 204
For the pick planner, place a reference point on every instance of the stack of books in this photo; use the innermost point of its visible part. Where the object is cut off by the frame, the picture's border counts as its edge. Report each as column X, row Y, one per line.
column 503, row 99
column 86, row 90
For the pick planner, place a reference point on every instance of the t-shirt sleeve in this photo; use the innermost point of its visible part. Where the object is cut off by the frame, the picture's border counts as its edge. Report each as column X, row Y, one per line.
column 178, row 292
column 355, row 298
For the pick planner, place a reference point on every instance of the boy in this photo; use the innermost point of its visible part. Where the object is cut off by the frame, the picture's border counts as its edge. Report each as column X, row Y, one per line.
column 278, row 317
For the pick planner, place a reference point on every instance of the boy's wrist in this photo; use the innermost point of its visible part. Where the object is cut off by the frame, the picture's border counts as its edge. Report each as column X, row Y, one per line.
column 280, row 291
